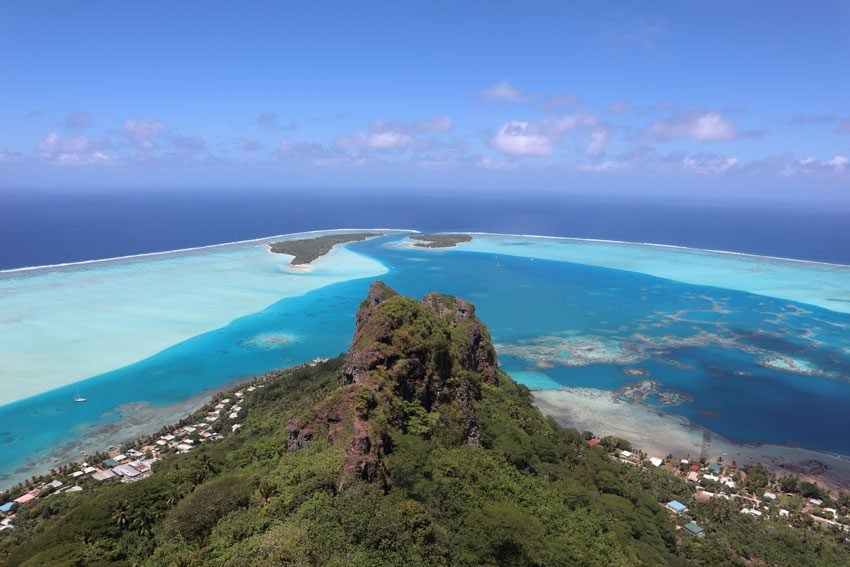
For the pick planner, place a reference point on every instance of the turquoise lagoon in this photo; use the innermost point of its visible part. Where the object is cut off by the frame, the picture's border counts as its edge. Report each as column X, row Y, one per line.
column 754, row 349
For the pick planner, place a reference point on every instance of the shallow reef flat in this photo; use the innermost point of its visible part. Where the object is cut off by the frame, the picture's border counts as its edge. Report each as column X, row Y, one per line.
column 59, row 325
column 660, row 433
column 823, row 285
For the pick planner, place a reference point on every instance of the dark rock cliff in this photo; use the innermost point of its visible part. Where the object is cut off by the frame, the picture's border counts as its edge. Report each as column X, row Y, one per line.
column 412, row 366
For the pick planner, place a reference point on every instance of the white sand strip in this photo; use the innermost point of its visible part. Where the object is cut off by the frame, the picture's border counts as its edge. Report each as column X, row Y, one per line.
column 63, row 324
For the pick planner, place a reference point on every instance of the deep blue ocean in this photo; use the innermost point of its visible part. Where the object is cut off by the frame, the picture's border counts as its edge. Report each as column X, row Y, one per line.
column 39, row 227
column 719, row 374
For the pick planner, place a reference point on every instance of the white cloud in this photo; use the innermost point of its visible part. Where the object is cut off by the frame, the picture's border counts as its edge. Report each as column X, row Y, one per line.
column 290, row 151
column 604, row 166
column 676, row 162
column 502, row 91
column 8, row 157
column 54, row 143
column 709, row 164
column 393, row 135
column 77, row 150
column 706, row 127
column 386, row 140
column 521, row 138
column 143, row 132
column 838, row 164
column 97, row 158
column 597, row 144
column 488, row 163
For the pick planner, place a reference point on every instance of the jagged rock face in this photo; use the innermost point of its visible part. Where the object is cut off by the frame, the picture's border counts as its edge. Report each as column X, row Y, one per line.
column 432, row 355
column 360, row 361
column 478, row 354
column 372, row 332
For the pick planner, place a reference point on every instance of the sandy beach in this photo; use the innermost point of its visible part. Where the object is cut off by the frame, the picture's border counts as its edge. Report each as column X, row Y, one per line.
column 659, row 433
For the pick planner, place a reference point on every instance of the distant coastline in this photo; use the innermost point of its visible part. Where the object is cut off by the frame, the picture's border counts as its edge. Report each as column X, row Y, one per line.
column 416, row 231
column 198, row 248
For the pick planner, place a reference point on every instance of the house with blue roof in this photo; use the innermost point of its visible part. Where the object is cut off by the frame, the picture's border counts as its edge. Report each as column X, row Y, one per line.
column 676, row 506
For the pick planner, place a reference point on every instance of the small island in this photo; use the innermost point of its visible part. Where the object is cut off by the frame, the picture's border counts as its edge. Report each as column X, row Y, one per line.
column 308, row 249
column 439, row 240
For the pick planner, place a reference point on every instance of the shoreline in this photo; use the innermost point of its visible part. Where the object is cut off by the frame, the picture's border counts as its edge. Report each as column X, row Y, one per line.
column 660, row 433
column 303, row 259
column 647, row 428
column 416, row 231
column 197, row 248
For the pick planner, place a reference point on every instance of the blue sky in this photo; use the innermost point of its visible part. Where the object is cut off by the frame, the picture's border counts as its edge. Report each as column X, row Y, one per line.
column 709, row 97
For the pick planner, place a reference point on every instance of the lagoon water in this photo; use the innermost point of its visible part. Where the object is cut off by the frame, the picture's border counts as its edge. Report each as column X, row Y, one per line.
column 745, row 355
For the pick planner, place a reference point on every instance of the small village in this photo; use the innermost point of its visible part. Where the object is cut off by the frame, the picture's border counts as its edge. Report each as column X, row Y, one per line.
column 133, row 462
column 752, row 491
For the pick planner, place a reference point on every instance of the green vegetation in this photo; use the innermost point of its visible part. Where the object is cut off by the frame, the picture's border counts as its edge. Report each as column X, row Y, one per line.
column 439, row 240
column 412, row 450
column 308, row 249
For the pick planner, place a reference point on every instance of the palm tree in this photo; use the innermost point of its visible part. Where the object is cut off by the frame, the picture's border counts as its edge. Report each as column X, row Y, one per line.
column 267, row 491
column 119, row 514
column 142, row 526
column 206, row 463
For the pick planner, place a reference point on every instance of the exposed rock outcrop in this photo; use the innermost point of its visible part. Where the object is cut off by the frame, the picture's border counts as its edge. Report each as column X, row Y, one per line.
column 412, row 365
column 365, row 353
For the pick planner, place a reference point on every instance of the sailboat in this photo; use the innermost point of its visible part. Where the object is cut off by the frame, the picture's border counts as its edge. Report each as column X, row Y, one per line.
column 79, row 398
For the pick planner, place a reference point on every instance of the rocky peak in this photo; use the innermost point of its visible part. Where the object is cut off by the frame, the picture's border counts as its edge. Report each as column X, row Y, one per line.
column 477, row 353
column 413, row 366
